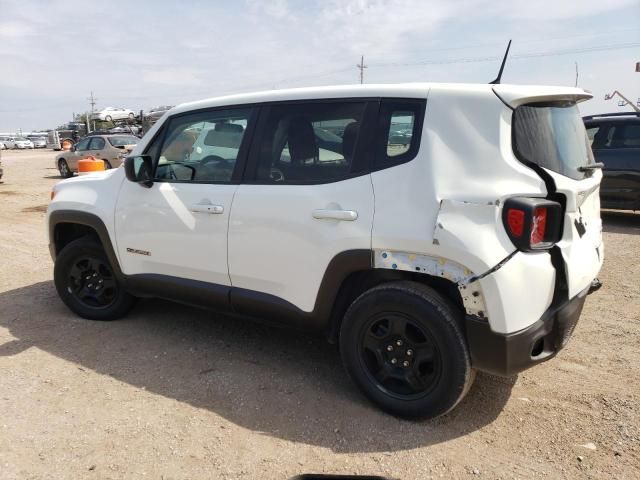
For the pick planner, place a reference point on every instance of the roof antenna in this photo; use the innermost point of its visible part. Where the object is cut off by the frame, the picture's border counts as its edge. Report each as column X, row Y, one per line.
column 497, row 80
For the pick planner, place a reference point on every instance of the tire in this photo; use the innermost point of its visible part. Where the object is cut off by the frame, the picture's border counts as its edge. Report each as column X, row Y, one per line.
column 63, row 168
column 402, row 345
column 131, row 116
column 86, row 282
column 107, row 165
column 108, row 118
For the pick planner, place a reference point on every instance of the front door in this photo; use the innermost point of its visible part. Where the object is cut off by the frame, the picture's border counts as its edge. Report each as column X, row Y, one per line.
column 178, row 227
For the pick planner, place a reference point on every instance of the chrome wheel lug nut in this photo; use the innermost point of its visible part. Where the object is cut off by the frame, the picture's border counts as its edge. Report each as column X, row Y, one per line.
column 389, row 348
column 95, row 274
column 399, row 343
column 394, row 361
column 405, row 364
column 100, row 281
column 90, row 285
column 409, row 352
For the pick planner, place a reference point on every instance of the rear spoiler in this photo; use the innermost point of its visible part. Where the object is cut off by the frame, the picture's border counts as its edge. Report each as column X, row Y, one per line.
column 515, row 95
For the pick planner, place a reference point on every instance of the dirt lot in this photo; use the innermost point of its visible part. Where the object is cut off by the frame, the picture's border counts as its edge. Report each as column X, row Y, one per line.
column 173, row 392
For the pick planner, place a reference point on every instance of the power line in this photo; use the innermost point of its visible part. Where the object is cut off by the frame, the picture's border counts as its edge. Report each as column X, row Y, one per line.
column 513, row 57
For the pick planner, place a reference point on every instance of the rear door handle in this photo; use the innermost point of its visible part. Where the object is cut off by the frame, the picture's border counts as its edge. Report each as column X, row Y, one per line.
column 344, row 215
column 207, row 208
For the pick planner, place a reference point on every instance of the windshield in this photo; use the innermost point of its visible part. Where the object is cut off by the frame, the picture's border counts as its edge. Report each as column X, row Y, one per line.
column 552, row 136
column 123, row 141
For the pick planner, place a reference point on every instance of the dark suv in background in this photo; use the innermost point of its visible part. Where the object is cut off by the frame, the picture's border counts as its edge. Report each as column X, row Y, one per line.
column 615, row 140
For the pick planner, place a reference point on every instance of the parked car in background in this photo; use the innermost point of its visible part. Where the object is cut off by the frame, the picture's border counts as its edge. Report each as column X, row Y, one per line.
column 110, row 148
column 3, row 142
column 113, row 113
column 2, row 146
column 1, row 168
column 615, row 141
column 39, row 142
column 18, row 143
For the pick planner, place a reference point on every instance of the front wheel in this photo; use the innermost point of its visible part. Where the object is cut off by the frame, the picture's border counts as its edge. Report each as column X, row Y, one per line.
column 63, row 168
column 402, row 345
column 87, row 284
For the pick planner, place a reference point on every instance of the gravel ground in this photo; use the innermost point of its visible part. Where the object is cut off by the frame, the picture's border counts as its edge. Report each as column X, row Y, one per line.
column 173, row 392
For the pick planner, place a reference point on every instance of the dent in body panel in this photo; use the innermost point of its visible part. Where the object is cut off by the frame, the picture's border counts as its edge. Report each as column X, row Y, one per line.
column 472, row 296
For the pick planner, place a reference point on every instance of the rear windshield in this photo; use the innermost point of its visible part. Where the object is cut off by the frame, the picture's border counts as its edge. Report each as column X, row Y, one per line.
column 552, row 135
column 123, row 141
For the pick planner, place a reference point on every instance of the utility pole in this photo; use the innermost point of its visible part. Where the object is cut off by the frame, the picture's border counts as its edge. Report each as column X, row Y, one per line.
column 361, row 66
column 576, row 75
column 92, row 101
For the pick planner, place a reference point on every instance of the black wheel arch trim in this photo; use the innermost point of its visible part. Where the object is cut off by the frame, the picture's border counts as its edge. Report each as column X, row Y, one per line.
column 91, row 220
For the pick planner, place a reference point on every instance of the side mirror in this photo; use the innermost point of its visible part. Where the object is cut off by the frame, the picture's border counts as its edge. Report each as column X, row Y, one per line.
column 139, row 170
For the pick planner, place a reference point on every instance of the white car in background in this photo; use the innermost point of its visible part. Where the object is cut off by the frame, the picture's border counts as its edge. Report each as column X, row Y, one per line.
column 18, row 142
column 39, row 142
column 113, row 113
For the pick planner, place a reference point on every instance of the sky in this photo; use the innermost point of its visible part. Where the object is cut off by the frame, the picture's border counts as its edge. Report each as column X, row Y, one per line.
column 140, row 54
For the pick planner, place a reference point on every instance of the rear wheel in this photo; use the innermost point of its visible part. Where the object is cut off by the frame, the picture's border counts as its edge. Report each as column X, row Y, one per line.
column 86, row 282
column 63, row 168
column 131, row 116
column 108, row 118
column 402, row 345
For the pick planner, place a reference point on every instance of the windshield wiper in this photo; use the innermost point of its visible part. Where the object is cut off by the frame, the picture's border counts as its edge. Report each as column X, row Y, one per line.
column 593, row 166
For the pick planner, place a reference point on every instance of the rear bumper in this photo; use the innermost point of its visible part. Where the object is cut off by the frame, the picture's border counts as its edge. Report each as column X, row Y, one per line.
column 508, row 354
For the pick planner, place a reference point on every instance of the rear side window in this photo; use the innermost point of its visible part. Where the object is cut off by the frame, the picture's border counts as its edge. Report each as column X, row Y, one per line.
column 309, row 143
column 552, row 136
column 399, row 131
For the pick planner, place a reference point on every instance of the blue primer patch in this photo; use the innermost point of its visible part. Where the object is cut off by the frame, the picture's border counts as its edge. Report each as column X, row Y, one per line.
column 394, row 266
column 384, row 255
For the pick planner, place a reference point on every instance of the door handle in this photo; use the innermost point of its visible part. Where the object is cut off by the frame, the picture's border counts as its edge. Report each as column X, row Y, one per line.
column 344, row 215
column 207, row 208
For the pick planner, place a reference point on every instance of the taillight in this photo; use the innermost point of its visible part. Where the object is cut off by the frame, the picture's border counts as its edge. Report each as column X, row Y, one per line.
column 532, row 223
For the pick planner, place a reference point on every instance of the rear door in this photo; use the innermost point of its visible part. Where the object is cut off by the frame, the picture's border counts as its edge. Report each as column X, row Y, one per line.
column 308, row 197
column 551, row 135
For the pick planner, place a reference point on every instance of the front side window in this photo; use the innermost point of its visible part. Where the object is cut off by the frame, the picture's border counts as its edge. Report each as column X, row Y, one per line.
column 552, row 136
column 97, row 143
column 309, row 143
column 83, row 144
column 202, row 147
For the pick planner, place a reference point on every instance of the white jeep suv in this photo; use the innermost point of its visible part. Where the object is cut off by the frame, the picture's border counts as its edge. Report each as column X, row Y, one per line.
column 430, row 230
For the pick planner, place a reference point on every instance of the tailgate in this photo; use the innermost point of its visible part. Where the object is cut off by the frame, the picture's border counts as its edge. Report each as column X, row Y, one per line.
column 581, row 243
column 549, row 136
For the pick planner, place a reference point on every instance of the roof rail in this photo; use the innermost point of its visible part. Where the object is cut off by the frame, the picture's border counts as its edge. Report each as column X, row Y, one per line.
column 615, row 114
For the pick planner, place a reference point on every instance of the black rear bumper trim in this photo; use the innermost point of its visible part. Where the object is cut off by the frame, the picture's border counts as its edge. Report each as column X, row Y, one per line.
column 508, row 354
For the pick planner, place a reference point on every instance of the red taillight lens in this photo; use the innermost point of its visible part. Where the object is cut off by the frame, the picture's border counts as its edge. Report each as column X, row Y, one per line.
column 515, row 221
column 532, row 223
column 538, row 226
